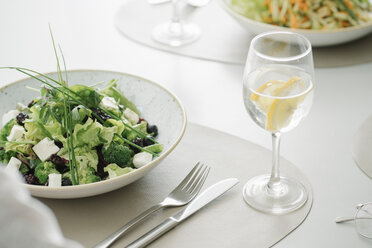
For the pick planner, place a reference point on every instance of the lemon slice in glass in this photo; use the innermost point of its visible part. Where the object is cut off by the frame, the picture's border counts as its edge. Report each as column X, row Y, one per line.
column 279, row 111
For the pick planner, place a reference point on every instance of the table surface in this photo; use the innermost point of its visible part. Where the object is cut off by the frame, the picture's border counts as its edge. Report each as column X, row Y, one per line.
column 211, row 93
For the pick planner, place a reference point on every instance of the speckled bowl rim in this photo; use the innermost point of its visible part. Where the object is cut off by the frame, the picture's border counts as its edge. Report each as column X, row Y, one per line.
column 298, row 30
column 149, row 166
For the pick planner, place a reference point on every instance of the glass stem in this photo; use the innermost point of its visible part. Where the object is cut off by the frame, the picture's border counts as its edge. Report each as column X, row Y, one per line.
column 274, row 185
column 175, row 26
column 175, row 16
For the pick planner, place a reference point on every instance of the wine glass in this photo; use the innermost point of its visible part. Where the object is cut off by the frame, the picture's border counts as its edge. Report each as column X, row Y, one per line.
column 176, row 32
column 278, row 93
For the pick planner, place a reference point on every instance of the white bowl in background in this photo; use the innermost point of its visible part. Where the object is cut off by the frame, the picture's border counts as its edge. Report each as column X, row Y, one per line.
column 317, row 38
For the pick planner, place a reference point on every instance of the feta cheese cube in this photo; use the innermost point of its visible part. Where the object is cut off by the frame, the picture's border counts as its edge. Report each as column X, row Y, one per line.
column 14, row 164
column 109, row 103
column 9, row 115
column 55, row 180
column 131, row 116
column 16, row 133
column 141, row 159
column 45, row 148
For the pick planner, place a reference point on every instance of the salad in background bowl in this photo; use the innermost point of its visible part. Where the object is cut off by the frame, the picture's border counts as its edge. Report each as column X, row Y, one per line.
column 117, row 133
column 323, row 22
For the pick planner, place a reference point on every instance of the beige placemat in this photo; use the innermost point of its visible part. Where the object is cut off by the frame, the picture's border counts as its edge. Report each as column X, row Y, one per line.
column 222, row 40
column 362, row 147
column 226, row 222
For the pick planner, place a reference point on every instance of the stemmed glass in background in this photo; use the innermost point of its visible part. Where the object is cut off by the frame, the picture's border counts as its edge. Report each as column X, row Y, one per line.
column 176, row 32
column 278, row 92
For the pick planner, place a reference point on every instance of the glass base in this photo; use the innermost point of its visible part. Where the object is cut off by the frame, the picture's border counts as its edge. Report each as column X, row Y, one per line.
column 281, row 197
column 176, row 33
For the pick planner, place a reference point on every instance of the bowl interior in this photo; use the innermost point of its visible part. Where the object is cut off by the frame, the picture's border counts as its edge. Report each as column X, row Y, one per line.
column 156, row 104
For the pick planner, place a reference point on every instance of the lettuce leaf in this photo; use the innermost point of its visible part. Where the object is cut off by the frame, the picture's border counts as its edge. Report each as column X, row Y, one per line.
column 107, row 134
column 79, row 113
column 113, row 91
column 86, row 94
column 132, row 135
column 119, row 124
column 115, row 170
column 86, row 161
column 37, row 130
column 25, row 149
column 92, row 134
column 5, row 130
column 11, row 149
column 87, row 134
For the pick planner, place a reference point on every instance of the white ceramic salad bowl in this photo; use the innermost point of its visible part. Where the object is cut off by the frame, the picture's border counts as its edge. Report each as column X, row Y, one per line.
column 317, row 38
column 157, row 105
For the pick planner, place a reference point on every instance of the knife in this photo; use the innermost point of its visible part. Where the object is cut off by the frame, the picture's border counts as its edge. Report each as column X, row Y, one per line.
column 203, row 199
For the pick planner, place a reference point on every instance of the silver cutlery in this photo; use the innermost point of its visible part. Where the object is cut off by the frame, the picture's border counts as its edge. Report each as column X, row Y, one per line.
column 203, row 199
column 181, row 195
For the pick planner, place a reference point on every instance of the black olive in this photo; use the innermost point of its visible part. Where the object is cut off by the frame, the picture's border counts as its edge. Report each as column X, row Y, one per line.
column 138, row 142
column 148, row 142
column 60, row 163
column 31, row 179
column 101, row 163
column 66, row 182
column 152, row 129
column 21, row 117
column 58, row 143
column 101, row 114
column 31, row 104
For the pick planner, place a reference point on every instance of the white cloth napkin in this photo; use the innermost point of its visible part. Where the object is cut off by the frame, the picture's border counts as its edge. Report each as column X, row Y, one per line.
column 25, row 221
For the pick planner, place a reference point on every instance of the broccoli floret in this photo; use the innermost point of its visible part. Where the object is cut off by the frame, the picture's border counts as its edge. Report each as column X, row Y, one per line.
column 117, row 153
column 89, row 176
column 43, row 170
column 5, row 156
column 24, row 169
column 4, row 133
column 34, row 162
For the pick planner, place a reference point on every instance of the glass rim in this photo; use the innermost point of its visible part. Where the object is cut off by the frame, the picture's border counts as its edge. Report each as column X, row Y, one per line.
column 281, row 59
column 360, row 207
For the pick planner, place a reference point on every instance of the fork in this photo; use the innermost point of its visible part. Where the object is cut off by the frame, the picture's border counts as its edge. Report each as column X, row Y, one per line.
column 181, row 195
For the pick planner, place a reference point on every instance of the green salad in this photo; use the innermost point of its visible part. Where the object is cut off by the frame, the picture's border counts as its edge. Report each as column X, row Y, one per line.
column 306, row 14
column 74, row 135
